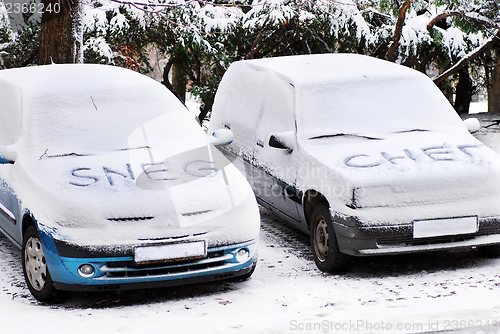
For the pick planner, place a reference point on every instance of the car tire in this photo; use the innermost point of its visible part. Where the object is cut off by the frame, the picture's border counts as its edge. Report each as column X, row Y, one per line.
column 325, row 248
column 36, row 272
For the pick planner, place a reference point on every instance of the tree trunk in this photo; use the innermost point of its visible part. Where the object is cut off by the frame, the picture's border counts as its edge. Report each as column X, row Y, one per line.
column 166, row 72
column 179, row 82
column 61, row 34
column 494, row 91
column 463, row 92
column 205, row 109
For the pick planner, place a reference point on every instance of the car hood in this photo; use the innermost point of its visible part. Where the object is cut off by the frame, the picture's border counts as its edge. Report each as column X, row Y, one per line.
column 134, row 194
column 410, row 168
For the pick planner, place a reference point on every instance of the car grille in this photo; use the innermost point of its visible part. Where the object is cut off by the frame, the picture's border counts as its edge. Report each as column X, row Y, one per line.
column 409, row 240
column 485, row 228
column 116, row 269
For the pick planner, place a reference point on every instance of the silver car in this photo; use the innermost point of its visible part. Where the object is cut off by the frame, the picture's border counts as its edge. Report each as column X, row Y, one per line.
column 366, row 156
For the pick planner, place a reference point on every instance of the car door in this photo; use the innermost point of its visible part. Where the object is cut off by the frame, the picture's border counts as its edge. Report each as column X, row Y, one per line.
column 8, row 207
column 10, row 131
column 275, row 154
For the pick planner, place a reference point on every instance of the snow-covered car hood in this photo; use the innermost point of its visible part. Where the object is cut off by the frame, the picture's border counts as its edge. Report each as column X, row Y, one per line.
column 105, row 197
column 410, row 168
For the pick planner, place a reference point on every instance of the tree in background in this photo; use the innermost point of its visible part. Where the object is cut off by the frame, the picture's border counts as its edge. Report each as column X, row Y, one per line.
column 450, row 40
column 61, row 34
column 494, row 87
column 18, row 39
column 202, row 39
column 473, row 29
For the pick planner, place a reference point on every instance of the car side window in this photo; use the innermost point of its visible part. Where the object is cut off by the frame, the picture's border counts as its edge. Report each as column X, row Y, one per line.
column 10, row 113
column 237, row 106
column 277, row 111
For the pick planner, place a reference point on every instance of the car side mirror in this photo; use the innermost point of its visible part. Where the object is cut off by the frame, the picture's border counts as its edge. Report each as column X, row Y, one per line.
column 221, row 137
column 7, row 155
column 472, row 124
column 283, row 140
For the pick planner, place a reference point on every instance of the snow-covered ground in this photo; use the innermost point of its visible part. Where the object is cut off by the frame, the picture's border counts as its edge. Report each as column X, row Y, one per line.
column 287, row 294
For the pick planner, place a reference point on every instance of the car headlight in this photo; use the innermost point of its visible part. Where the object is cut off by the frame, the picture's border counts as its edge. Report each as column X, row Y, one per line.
column 242, row 255
column 86, row 270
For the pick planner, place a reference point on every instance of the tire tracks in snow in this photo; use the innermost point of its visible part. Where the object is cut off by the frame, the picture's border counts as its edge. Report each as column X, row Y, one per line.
column 387, row 281
column 277, row 233
column 11, row 278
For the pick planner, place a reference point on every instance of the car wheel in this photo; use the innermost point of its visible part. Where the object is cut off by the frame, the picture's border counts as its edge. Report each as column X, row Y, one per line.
column 326, row 252
column 35, row 269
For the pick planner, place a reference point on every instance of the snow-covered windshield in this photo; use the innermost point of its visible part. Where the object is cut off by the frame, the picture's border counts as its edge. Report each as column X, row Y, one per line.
column 373, row 108
column 91, row 121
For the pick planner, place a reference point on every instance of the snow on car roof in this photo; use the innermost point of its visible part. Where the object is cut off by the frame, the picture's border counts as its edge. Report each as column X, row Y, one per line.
column 81, row 107
column 304, row 70
column 39, row 80
column 333, row 93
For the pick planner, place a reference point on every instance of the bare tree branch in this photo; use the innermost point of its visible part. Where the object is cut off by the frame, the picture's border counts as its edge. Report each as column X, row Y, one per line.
column 393, row 48
column 254, row 49
column 424, row 62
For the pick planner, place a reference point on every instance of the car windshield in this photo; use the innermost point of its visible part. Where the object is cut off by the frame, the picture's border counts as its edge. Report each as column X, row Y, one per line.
column 373, row 109
column 95, row 121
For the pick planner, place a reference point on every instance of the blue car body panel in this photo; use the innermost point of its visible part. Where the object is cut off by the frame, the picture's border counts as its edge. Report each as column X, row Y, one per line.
column 123, row 271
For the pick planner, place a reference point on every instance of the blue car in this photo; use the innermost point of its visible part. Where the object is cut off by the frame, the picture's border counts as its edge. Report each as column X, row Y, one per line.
column 107, row 182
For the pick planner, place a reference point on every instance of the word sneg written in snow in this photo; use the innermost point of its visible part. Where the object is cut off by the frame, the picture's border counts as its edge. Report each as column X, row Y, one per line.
column 151, row 172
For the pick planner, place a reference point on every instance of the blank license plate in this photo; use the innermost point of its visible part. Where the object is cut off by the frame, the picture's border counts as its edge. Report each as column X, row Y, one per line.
column 443, row 227
column 170, row 252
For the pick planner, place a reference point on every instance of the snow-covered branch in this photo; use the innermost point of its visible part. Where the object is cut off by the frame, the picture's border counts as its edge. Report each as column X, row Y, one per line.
column 469, row 16
column 143, row 5
column 465, row 60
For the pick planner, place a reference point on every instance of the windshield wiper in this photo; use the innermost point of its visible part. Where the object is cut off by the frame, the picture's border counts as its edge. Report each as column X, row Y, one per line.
column 135, row 148
column 413, row 130
column 345, row 135
column 74, row 154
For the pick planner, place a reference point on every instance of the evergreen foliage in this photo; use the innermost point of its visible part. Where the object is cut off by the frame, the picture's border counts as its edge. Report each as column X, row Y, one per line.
column 203, row 38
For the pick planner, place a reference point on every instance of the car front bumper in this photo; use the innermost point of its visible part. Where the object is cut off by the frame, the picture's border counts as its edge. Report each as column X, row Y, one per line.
column 358, row 240
column 119, row 271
